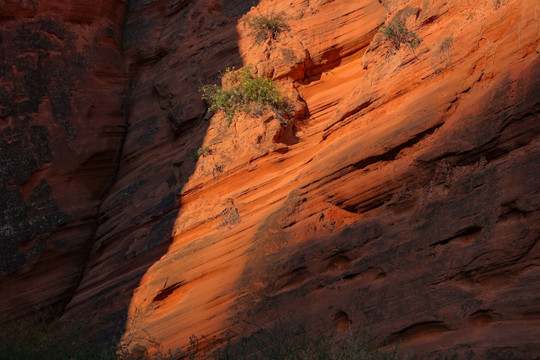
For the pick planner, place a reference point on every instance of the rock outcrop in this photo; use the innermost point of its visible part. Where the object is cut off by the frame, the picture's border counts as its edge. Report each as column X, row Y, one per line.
column 404, row 196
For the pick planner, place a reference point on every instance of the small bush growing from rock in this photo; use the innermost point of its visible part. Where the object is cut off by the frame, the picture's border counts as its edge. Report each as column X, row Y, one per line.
column 201, row 151
column 242, row 91
column 441, row 57
column 446, row 44
column 397, row 33
column 318, row 60
column 266, row 27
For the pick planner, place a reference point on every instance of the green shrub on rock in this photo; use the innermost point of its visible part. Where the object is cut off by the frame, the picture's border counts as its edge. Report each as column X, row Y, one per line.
column 242, row 91
column 266, row 27
column 397, row 33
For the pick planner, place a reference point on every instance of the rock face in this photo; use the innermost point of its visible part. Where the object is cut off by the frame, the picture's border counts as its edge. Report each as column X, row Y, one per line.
column 61, row 127
column 403, row 196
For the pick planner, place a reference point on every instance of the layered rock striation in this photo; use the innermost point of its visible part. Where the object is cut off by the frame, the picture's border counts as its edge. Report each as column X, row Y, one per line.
column 61, row 128
column 403, row 195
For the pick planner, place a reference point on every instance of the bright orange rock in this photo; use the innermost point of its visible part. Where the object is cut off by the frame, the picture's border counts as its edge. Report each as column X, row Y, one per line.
column 406, row 198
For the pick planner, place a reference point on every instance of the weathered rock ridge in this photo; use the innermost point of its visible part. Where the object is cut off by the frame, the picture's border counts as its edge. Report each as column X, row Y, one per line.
column 405, row 198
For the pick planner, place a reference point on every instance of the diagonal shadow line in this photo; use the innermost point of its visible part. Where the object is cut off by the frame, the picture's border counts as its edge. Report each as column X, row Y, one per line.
column 167, row 62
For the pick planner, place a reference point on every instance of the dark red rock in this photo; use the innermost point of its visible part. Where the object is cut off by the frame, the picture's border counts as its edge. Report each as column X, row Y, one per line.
column 61, row 127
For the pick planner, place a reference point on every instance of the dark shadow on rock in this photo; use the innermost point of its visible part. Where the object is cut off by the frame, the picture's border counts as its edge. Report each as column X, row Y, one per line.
column 415, row 266
column 57, row 96
column 171, row 48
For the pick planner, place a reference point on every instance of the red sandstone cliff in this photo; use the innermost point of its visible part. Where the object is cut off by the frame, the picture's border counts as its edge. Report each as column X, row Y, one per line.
column 405, row 198
column 61, row 128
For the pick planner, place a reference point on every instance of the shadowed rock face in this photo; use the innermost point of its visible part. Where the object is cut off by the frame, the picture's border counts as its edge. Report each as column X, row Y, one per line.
column 61, row 126
column 404, row 195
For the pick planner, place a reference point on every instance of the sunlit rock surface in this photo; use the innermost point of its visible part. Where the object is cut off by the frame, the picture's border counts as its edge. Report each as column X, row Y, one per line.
column 404, row 195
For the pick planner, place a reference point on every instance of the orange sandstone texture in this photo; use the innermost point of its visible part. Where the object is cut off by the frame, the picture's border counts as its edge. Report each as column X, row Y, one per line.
column 404, row 195
column 406, row 198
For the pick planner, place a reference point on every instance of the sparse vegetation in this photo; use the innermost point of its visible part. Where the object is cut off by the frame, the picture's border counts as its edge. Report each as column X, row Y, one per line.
column 446, row 44
column 45, row 339
column 286, row 341
column 61, row 340
column 201, row 151
column 441, row 56
column 397, row 33
column 263, row 27
column 218, row 169
column 242, row 91
column 318, row 60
